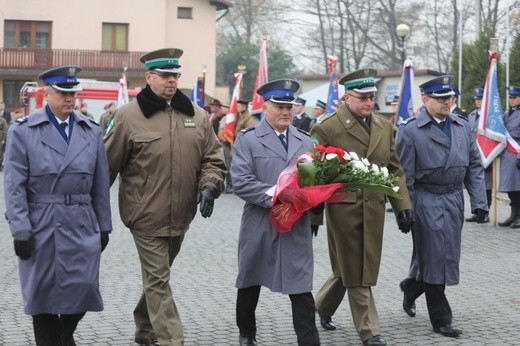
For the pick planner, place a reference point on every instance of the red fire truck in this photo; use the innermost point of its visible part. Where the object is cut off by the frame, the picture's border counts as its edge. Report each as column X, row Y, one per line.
column 96, row 94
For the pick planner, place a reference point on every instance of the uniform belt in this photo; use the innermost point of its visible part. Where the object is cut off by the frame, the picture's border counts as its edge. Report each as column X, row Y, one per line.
column 58, row 198
column 439, row 189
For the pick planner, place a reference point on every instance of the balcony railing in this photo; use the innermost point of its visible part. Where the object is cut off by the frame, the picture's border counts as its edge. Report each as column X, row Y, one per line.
column 93, row 60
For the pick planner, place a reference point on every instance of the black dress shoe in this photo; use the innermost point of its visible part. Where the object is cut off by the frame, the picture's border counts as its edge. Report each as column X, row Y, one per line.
column 375, row 341
column 447, row 330
column 147, row 342
column 408, row 304
column 326, row 322
column 243, row 341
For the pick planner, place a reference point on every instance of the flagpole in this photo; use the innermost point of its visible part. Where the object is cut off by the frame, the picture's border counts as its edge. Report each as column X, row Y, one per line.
column 494, row 193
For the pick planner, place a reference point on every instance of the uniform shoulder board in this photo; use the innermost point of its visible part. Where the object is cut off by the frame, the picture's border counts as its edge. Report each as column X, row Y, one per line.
column 22, row 119
column 325, row 117
column 304, row 132
column 463, row 117
column 409, row 120
column 93, row 121
column 244, row 131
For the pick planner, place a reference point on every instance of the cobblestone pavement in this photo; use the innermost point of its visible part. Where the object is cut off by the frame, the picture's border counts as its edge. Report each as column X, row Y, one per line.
column 486, row 304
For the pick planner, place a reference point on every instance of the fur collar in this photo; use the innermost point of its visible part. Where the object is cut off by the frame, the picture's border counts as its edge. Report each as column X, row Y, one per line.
column 151, row 103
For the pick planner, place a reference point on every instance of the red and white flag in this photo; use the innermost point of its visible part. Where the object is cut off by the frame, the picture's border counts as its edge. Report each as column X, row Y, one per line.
column 261, row 78
column 122, row 93
column 228, row 132
column 492, row 136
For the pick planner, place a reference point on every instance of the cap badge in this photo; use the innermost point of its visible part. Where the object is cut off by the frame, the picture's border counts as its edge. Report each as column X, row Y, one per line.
column 445, row 80
column 288, row 84
column 72, row 71
column 366, row 72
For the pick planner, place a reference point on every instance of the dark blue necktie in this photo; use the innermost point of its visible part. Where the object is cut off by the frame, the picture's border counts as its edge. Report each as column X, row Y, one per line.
column 283, row 140
column 64, row 128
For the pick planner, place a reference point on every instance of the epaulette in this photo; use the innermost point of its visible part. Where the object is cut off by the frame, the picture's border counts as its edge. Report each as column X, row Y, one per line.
column 22, row 120
column 409, row 120
column 304, row 132
column 325, row 117
column 463, row 117
column 93, row 121
column 246, row 130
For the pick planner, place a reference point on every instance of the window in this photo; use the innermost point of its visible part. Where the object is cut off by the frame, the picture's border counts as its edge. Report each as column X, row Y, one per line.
column 11, row 94
column 115, row 37
column 27, row 34
column 185, row 13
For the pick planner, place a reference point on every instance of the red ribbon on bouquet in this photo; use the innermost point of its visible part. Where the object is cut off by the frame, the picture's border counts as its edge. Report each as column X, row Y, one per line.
column 290, row 201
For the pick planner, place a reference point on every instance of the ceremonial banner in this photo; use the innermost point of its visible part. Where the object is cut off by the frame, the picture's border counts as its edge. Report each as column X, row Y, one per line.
column 492, row 136
column 405, row 108
column 195, row 94
column 228, row 132
column 122, row 92
column 333, row 96
column 261, row 78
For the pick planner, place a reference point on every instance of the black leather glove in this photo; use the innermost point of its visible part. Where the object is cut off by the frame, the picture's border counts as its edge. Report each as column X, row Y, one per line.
column 481, row 215
column 104, row 240
column 23, row 245
column 405, row 220
column 317, row 210
column 314, row 229
column 206, row 198
column 517, row 163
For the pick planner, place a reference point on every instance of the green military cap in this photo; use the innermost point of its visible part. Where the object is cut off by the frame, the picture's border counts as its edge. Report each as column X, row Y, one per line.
column 164, row 60
column 361, row 81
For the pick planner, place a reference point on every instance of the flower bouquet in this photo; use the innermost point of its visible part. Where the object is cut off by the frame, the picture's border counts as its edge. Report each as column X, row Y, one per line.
column 324, row 175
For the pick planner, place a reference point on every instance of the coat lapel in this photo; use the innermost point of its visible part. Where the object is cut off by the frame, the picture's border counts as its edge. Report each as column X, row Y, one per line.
column 295, row 142
column 267, row 137
column 434, row 132
column 50, row 135
column 376, row 132
column 78, row 141
column 352, row 126
column 456, row 142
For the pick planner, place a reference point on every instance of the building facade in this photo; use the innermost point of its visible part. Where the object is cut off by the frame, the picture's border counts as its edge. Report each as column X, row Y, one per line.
column 105, row 38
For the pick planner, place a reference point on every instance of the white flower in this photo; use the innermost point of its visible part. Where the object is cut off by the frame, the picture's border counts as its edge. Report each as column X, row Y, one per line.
column 384, row 170
column 375, row 169
column 354, row 155
column 366, row 162
column 347, row 156
column 331, row 156
column 358, row 165
column 395, row 188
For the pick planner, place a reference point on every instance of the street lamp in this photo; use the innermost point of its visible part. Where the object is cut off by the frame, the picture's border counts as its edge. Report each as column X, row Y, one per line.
column 402, row 31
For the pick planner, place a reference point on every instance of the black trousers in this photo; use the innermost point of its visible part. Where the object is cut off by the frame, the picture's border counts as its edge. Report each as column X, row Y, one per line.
column 303, row 313
column 438, row 306
column 514, row 197
column 55, row 330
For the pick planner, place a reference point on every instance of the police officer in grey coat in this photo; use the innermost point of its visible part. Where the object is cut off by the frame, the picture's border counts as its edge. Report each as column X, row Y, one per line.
column 509, row 163
column 58, row 208
column 282, row 262
column 439, row 156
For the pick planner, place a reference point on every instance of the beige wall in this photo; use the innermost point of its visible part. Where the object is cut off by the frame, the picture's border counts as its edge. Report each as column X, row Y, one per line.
column 152, row 25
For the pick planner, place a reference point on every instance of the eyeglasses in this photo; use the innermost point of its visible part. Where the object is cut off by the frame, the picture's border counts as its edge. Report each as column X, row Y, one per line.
column 514, row 96
column 363, row 98
column 165, row 75
column 442, row 99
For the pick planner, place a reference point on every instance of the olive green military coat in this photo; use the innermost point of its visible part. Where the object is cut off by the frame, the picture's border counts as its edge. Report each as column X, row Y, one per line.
column 355, row 226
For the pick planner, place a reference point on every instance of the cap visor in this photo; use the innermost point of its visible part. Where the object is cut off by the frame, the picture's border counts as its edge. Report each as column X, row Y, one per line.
column 69, row 90
column 449, row 93
column 286, row 101
column 371, row 89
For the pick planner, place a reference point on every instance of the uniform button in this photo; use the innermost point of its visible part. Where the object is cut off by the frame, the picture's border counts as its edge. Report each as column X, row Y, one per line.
column 81, row 225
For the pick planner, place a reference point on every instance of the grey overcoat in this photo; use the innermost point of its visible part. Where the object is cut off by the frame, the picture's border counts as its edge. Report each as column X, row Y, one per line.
column 436, row 169
column 509, row 173
column 42, row 172
column 283, row 262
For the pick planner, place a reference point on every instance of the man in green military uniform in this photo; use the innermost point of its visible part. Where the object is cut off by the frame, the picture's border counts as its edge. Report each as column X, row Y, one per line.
column 355, row 246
